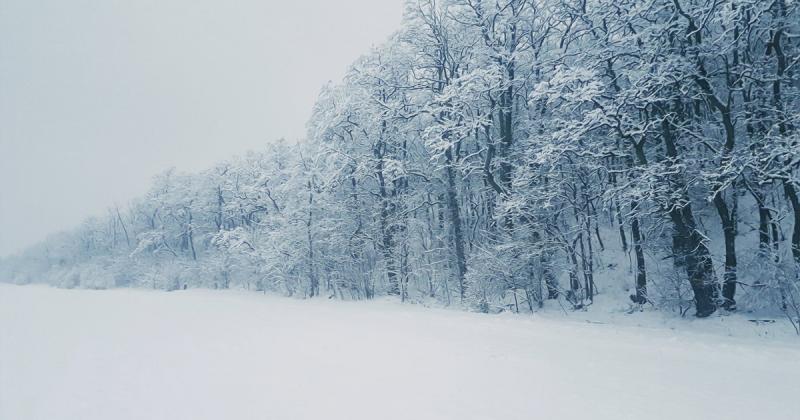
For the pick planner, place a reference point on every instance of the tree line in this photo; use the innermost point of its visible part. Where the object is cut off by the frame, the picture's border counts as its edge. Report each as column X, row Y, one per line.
column 501, row 155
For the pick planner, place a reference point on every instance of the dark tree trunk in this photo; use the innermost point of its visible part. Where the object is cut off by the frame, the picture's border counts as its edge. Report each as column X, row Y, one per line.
column 636, row 234
column 641, row 273
column 386, row 213
column 729, row 232
column 621, row 225
column 791, row 194
column 688, row 244
column 455, row 218
column 312, row 275
column 695, row 258
column 764, row 222
column 725, row 215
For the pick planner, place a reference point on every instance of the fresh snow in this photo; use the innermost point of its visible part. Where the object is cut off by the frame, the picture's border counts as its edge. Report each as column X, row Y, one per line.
column 202, row 354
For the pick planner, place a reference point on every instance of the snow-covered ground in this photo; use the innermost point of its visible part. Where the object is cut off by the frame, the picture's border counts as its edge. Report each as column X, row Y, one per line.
column 136, row 354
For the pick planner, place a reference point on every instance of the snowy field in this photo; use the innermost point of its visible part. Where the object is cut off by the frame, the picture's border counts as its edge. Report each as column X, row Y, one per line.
column 135, row 354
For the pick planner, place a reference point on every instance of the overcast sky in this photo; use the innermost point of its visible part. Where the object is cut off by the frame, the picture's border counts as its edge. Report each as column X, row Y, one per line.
column 97, row 96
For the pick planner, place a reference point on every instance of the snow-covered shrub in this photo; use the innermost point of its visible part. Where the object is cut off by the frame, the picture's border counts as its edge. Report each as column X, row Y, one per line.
column 94, row 276
column 68, row 278
column 504, row 277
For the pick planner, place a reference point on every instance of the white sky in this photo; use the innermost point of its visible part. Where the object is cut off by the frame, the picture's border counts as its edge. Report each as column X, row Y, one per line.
column 97, row 96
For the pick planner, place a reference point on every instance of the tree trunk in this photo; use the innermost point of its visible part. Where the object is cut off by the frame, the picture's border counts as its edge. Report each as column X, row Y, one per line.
column 791, row 194
column 455, row 218
column 689, row 246
column 387, row 240
column 729, row 232
column 312, row 275
column 641, row 273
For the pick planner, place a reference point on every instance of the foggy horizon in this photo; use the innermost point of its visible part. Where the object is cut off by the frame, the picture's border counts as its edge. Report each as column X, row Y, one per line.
column 98, row 97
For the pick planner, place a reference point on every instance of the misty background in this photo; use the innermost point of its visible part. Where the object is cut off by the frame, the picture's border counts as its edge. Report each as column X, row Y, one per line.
column 97, row 96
